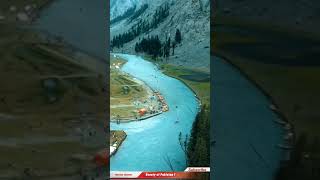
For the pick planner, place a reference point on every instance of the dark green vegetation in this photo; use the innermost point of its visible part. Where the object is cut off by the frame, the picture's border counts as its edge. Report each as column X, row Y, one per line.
column 141, row 27
column 197, row 146
column 178, row 37
column 153, row 46
column 196, row 76
column 139, row 12
column 201, row 77
column 285, row 64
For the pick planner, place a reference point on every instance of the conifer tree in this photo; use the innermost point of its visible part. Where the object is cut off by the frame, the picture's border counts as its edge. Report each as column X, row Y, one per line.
column 178, row 36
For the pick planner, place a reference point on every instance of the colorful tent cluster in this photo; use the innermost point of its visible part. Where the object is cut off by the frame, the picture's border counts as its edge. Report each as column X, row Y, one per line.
column 165, row 107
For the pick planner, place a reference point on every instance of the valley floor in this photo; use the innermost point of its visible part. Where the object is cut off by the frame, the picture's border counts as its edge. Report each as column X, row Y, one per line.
column 131, row 99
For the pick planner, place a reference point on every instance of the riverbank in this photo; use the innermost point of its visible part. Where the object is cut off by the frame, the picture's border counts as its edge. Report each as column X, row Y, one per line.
column 294, row 102
column 132, row 99
column 116, row 139
column 196, row 79
column 148, row 140
column 201, row 89
column 283, row 121
column 243, row 120
column 285, row 66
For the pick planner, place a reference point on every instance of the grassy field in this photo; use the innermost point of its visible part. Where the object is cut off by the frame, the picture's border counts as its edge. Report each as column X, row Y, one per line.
column 52, row 107
column 122, row 99
column 117, row 136
column 202, row 89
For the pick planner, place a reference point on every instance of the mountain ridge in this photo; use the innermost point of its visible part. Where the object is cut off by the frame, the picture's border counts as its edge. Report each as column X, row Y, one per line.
column 192, row 18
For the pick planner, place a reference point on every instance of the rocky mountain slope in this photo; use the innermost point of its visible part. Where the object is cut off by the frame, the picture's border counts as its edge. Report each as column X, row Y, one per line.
column 191, row 17
column 118, row 7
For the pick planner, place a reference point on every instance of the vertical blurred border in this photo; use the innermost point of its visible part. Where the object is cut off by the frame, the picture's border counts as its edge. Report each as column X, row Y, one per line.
column 107, row 41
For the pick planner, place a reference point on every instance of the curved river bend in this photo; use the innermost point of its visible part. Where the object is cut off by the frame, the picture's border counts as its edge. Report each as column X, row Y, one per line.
column 246, row 136
column 249, row 123
column 150, row 141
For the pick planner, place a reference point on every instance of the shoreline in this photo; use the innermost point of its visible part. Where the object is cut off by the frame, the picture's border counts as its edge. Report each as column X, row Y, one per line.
column 160, row 134
column 158, row 66
column 139, row 81
column 118, row 145
column 194, row 92
column 273, row 106
column 132, row 120
column 45, row 35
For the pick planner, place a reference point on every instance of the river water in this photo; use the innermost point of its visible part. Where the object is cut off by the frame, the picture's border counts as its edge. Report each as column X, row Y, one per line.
column 150, row 142
column 242, row 122
column 246, row 136
column 82, row 23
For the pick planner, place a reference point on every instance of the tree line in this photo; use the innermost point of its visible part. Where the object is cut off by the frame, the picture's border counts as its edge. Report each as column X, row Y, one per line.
column 197, row 146
column 140, row 11
column 141, row 27
column 153, row 46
